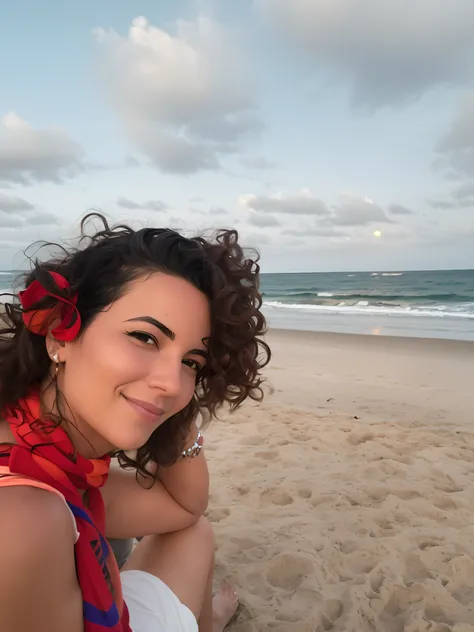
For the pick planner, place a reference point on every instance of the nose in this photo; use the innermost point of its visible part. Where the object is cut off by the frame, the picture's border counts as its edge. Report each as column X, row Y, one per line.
column 165, row 375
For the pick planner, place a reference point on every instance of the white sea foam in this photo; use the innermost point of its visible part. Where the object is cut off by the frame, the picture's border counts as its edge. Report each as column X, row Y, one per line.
column 363, row 307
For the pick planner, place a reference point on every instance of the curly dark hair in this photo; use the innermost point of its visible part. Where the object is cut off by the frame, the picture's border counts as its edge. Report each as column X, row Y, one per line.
column 99, row 271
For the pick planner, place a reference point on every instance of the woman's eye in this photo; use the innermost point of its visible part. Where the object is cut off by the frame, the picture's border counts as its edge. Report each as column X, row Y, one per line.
column 193, row 364
column 142, row 336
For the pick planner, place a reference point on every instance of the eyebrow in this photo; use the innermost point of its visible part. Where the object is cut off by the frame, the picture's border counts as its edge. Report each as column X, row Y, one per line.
column 156, row 323
column 166, row 331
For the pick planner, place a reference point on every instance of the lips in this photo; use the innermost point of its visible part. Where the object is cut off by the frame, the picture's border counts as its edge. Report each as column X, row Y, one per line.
column 145, row 409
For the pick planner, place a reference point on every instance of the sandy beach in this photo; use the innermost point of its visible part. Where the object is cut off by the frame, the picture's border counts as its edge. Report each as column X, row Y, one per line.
column 345, row 501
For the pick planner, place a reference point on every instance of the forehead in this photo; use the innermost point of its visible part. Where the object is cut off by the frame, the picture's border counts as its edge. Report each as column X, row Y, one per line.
column 171, row 300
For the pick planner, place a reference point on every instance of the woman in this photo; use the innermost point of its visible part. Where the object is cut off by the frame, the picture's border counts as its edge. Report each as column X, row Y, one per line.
column 113, row 349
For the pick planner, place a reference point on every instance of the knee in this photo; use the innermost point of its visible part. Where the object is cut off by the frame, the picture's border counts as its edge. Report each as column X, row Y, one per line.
column 203, row 531
column 197, row 537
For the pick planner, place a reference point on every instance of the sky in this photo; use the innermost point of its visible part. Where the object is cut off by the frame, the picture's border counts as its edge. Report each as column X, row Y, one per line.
column 332, row 134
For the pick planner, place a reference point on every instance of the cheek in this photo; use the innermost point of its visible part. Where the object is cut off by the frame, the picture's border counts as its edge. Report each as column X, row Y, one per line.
column 188, row 386
column 100, row 365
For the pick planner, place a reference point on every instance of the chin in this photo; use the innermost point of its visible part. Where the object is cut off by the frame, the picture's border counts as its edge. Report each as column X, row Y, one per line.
column 129, row 441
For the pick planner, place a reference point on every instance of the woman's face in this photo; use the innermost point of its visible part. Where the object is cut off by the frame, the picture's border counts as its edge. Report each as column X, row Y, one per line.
column 136, row 364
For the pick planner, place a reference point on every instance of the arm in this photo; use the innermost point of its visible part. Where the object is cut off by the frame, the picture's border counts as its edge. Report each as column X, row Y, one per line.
column 133, row 508
column 38, row 585
column 188, row 479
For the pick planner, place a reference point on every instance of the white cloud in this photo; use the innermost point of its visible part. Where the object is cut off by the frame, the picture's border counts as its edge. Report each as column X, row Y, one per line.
column 151, row 205
column 456, row 148
column 301, row 203
column 399, row 209
column 388, row 50
column 464, row 191
column 255, row 240
column 43, row 219
column 33, row 218
column 351, row 211
column 29, row 155
column 14, row 204
column 263, row 221
column 7, row 220
column 454, row 202
column 184, row 99
column 328, row 231
column 354, row 211
column 455, row 157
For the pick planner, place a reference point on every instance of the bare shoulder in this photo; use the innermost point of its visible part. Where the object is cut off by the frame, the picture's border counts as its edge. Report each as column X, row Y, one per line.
column 37, row 567
column 36, row 513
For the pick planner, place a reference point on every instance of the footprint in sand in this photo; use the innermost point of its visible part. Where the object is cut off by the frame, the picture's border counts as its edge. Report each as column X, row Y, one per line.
column 405, row 494
column 460, row 584
column 321, row 499
column 216, row 515
column 348, row 547
column 252, row 440
column 287, row 571
column 384, row 523
column 428, row 543
column 415, row 570
column 305, row 493
column 242, row 490
column 275, row 496
column 268, row 455
column 357, row 438
column 299, row 608
column 377, row 494
column 445, row 504
column 333, row 609
column 298, row 434
column 244, row 543
column 376, row 579
column 361, row 562
column 448, row 485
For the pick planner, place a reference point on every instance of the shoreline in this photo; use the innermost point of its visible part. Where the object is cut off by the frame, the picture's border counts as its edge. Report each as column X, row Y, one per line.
column 367, row 339
column 371, row 324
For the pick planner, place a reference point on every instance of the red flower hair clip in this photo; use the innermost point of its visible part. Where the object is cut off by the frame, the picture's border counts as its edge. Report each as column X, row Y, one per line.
column 38, row 321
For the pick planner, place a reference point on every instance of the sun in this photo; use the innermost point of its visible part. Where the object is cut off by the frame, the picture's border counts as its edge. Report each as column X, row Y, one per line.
column 377, row 233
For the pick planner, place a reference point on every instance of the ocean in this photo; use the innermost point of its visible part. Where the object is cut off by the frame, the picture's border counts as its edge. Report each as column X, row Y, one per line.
column 433, row 304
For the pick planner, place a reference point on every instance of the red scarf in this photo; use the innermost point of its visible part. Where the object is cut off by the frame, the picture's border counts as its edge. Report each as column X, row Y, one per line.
column 46, row 454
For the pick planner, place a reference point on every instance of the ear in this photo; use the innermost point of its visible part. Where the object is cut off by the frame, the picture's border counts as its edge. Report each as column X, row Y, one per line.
column 55, row 347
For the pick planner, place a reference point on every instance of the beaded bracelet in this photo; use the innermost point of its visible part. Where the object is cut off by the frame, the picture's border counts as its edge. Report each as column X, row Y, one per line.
column 195, row 449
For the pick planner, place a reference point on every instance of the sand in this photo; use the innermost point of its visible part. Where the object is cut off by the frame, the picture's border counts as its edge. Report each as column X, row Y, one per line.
column 345, row 501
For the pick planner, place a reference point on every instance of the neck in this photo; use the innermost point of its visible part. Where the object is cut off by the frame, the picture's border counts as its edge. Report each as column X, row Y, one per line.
column 85, row 440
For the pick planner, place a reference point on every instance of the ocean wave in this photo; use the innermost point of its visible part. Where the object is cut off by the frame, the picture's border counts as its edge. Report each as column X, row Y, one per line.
column 311, row 290
column 414, row 297
column 363, row 307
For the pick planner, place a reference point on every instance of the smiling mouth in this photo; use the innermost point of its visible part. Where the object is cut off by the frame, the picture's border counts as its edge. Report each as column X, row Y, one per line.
column 145, row 410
